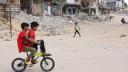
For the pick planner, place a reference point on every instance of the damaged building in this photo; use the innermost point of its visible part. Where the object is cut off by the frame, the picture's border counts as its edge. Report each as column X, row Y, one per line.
column 67, row 7
column 34, row 7
column 52, row 7
column 111, row 5
column 59, row 7
column 2, row 7
column 71, row 6
column 8, row 5
column 89, row 6
column 49, row 7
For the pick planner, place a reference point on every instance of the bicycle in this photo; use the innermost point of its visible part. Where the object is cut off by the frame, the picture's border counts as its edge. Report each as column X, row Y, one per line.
column 19, row 64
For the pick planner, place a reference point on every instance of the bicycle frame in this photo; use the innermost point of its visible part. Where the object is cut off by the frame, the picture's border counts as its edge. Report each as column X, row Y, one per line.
column 43, row 62
column 37, row 55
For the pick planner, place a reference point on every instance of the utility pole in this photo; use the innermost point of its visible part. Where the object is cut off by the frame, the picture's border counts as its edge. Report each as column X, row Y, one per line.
column 123, row 4
column 97, row 7
column 42, row 1
column 10, row 18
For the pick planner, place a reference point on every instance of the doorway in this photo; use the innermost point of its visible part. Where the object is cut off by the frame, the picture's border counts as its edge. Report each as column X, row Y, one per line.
column 26, row 5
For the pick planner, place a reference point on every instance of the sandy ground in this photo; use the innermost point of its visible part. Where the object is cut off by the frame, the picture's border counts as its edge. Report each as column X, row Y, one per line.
column 100, row 49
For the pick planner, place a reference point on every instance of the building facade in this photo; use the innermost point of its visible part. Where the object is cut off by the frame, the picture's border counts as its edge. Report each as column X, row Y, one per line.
column 113, row 5
column 71, row 6
column 90, row 6
column 2, row 1
column 62, row 7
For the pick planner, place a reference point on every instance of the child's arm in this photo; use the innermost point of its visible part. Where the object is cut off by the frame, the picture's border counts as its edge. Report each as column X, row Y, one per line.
column 79, row 27
column 31, row 39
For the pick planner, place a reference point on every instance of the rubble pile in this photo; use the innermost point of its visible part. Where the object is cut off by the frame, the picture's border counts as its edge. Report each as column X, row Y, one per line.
column 57, row 24
column 5, row 35
column 124, row 12
column 54, row 25
column 5, row 30
column 85, row 17
column 51, row 24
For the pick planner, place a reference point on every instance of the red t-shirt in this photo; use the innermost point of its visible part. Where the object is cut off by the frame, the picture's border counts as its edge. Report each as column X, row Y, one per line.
column 20, row 41
column 31, row 34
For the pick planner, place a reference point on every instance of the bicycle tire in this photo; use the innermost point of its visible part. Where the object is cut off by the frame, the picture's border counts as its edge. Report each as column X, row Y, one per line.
column 44, row 60
column 20, row 64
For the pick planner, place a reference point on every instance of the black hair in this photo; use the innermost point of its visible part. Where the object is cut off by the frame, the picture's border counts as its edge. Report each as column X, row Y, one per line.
column 76, row 23
column 23, row 25
column 34, row 24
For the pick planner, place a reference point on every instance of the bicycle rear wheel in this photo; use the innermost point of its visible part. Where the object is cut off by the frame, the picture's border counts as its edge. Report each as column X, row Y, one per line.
column 18, row 65
column 47, row 64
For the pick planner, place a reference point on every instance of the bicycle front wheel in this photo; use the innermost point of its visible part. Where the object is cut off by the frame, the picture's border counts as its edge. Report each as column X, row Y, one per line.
column 18, row 65
column 47, row 64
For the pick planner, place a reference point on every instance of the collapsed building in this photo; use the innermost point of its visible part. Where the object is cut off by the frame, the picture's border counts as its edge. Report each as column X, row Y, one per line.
column 68, row 7
column 59, row 7
column 8, row 7
column 89, row 6
column 111, row 5
column 40, row 7
column 28, row 6
column 71, row 6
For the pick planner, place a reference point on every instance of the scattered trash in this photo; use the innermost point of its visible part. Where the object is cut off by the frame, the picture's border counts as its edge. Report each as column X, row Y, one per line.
column 123, row 35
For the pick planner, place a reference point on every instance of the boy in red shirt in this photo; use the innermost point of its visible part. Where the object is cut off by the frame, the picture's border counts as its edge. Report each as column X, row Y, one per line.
column 33, row 42
column 22, row 37
column 31, row 34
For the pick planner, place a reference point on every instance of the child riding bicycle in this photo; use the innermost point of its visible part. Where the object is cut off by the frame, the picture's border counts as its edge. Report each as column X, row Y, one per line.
column 31, row 44
column 26, row 43
column 32, row 36
column 21, row 41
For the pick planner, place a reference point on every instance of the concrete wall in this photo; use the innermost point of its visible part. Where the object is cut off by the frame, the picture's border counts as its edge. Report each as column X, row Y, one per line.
column 2, row 1
column 119, row 3
column 112, row 4
column 90, row 2
column 12, row 1
column 15, row 1
column 37, row 8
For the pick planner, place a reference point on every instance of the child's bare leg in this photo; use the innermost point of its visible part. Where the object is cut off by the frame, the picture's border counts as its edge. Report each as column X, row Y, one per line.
column 32, row 53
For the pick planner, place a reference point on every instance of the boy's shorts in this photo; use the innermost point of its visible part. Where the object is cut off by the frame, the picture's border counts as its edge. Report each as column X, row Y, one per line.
column 31, row 50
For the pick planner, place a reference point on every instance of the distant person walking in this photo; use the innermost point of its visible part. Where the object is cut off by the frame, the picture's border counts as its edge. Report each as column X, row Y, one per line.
column 77, row 29
column 110, row 18
column 123, row 21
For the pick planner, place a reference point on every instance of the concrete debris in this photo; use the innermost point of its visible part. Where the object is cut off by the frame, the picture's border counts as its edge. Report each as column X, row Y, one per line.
column 95, row 18
column 123, row 12
column 54, row 25
column 123, row 35
column 5, row 35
